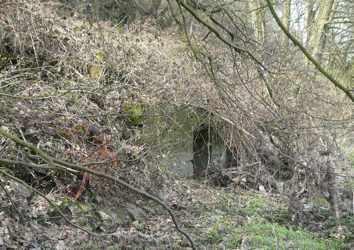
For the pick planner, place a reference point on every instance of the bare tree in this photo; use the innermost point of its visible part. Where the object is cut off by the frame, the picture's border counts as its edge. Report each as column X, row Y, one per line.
column 323, row 17
column 258, row 19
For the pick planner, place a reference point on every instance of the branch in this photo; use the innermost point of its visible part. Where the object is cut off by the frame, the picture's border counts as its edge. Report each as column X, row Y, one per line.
column 60, row 164
column 317, row 65
column 8, row 196
column 4, row 173
column 219, row 36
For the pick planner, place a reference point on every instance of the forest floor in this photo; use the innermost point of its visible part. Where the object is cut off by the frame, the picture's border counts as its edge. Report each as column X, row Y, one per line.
column 67, row 78
column 215, row 218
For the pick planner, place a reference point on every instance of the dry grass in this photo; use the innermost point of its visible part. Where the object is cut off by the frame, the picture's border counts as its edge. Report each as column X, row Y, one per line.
column 59, row 73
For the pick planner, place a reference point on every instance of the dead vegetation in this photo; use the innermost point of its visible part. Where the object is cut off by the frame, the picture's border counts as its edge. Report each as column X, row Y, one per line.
column 83, row 96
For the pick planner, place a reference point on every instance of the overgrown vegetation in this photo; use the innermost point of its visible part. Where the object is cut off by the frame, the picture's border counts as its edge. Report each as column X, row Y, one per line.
column 100, row 107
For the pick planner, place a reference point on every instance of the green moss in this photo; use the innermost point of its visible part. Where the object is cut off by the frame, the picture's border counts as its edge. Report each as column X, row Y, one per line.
column 134, row 112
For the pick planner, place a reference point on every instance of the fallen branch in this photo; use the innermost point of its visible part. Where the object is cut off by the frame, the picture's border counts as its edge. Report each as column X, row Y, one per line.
column 9, row 176
column 60, row 164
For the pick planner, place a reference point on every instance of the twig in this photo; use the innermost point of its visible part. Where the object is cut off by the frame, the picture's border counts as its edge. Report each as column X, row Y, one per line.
column 31, row 165
column 13, row 205
column 317, row 65
column 64, row 165
column 219, row 36
column 48, row 200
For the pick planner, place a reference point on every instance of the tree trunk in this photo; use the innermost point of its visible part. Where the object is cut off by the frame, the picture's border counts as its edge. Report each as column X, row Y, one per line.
column 323, row 17
column 309, row 20
column 257, row 18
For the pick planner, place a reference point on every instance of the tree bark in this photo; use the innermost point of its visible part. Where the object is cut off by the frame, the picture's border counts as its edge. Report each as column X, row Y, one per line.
column 309, row 20
column 257, row 17
column 323, row 17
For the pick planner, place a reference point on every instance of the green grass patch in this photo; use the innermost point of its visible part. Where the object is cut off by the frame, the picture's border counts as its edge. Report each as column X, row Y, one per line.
column 260, row 222
column 261, row 234
column 258, row 233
